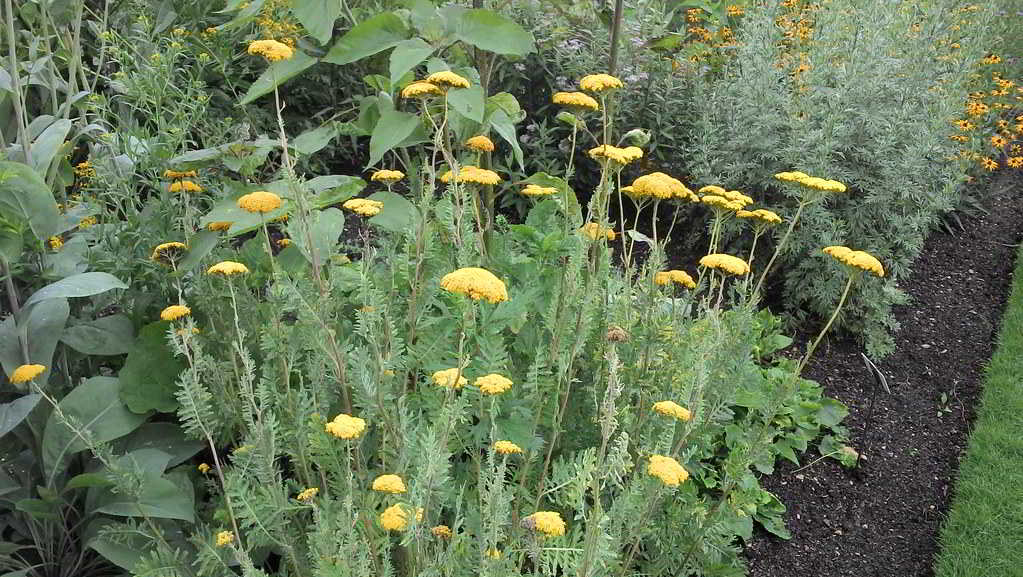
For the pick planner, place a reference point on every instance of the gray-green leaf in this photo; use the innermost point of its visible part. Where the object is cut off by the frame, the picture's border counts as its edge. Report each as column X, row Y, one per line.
column 110, row 335
column 79, row 285
column 367, row 38
column 277, row 74
column 493, row 32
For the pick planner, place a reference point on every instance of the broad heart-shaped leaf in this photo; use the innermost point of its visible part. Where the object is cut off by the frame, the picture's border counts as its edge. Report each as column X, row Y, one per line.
column 493, row 32
column 312, row 141
column 398, row 213
column 468, row 102
column 393, row 127
column 831, row 412
column 150, row 373
column 163, row 497
column 109, row 335
column 317, row 16
column 46, row 145
column 407, row 55
column 325, row 229
column 25, row 198
column 80, row 285
column 199, row 246
column 367, row 38
column 503, row 125
column 95, row 405
column 277, row 74
column 14, row 412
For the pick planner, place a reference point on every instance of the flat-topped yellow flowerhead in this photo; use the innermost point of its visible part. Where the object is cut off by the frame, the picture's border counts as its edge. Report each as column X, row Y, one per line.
column 227, row 268
column 176, row 174
column 599, row 83
column 493, row 384
column 184, row 186
column 389, row 484
column 594, row 231
column 549, row 523
column 447, row 79
column 364, row 206
column 474, row 174
column 673, row 409
column 272, row 50
column 168, row 252
column 725, row 263
column 261, row 201
column 856, row 259
column 387, row 176
column 224, row 538
column 308, row 494
column 736, row 196
column 668, row 470
column 175, row 312
column 577, row 101
column 721, row 203
column 761, row 215
column 450, row 378
column 480, row 143
column 345, row 426
column 421, row 90
column 794, row 176
column 475, row 283
column 537, row 190
column 661, row 186
column 712, row 189
column 441, row 532
column 507, row 448
column 395, row 517
column 220, row 225
column 26, row 373
column 620, row 156
column 674, row 276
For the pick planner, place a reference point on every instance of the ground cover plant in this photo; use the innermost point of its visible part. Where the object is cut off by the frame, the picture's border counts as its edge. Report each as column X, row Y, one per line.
column 223, row 356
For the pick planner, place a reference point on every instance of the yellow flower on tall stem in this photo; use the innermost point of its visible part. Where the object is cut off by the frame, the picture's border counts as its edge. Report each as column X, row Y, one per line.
column 271, row 50
column 475, row 283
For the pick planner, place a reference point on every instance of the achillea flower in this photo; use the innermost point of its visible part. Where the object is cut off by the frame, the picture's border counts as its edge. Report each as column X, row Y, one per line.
column 791, row 176
column 261, row 201
column 220, row 225
column 725, row 263
column 446, row 378
column 203, row 468
column 84, row 170
column 388, row 176
column 441, row 532
column 593, row 231
column 447, row 79
column 178, row 174
column 272, row 50
column 721, row 203
column 549, row 523
column 480, row 143
column 168, row 252
column 346, row 427
column 184, row 186
column 599, row 83
column 493, row 384
column 26, row 373
column 507, row 448
column 420, row 90
column 389, row 484
column 661, row 186
column 712, row 189
column 228, row 268
column 470, row 173
column 620, row 156
column 475, row 283
column 224, row 538
column 672, row 409
column 675, row 276
column 537, row 190
column 577, row 101
column 668, row 470
column 364, row 206
column 736, row 196
column 308, row 494
column 761, row 214
column 175, row 312
column 857, row 259
column 396, row 517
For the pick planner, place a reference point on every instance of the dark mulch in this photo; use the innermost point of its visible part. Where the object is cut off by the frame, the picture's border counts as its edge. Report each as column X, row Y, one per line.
column 883, row 519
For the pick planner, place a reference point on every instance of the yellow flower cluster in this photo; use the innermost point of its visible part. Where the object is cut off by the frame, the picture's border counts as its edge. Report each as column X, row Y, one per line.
column 84, row 170
column 364, row 206
column 219, row 225
column 26, row 373
column 856, row 259
column 308, row 494
column 55, row 242
column 420, row 90
column 620, row 156
column 272, row 50
column 224, row 538
column 261, row 201
column 389, row 484
column 227, row 268
column 577, row 101
column 507, row 447
column 396, row 517
column 668, row 470
column 599, row 83
column 387, row 176
column 721, row 203
column 549, row 523
column 345, row 426
column 760, row 214
column 203, row 468
column 480, row 143
column 451, row 378
column 447, row 79
column 475, row 283
column 725, row 263
column 660, row 186
column 470, row 173
column 537, row 190
column 179, row 174
column 441, row 532
column 168, row 251
column 593, row 231
column 175, row 312
column 674, row 276
column 493, row 384
column 673, row 409
column 811, row 181
column 184, row 186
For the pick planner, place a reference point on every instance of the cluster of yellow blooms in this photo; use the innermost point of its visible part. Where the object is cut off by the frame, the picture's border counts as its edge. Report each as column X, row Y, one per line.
column 175, row 312
column 659, row 186
column 470, row 173
column 26, row 373
column 761, row 214
column 594, row 231
column 493, row 384
column 346, row 427
column 811, row 181
column 673, row 409
column 668, row 470
column 387, row 176
column 576, row 101
column 168, row 252
column 271, row 50
column 224, row 538
column 507, row 448
column 537, row 190
column 674, row 276
column 308, row 494
column 364, row 206
column 725, row 263
column 480, row 143
column 856, row 259
column 475, row 283
column 260, row 201
column 389, row 484
column 450, row 378
column 396, row 517
column 84, row 170
column 435, row 84
column 227, row 268
column 620, row 156
column 599, row 83
column 549, row 523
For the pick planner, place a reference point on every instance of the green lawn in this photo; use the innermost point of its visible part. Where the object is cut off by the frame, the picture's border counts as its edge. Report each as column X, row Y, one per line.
column 983, row 535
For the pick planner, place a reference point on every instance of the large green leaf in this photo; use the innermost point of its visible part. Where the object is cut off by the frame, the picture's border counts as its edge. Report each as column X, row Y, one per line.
column 79, row 285
column 312, row 141
column 317, row 16
column 25, row 198
column 325, row 229
column 503, row 125
column 46, row 145
column 276, row 74
column 109, row 335
column 493, row 32
column 94, row 406
column 166, row 437
column 14, row 412
column 150, row 373
column 367, row 38
column 469, row 102
column 398, row 213
column 199, row 246
column 163, row 497
column 393, row 127
column 407, row 55
column 42, row 327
